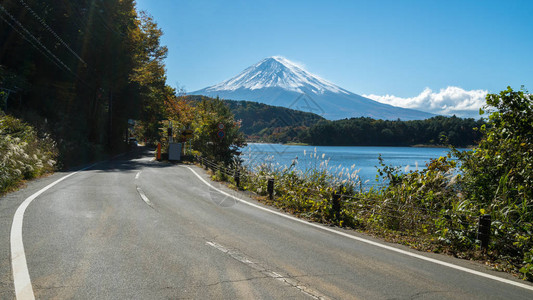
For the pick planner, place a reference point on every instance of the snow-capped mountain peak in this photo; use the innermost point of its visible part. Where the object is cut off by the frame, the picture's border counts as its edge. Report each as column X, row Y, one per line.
column 278, row 81
column 277, row 71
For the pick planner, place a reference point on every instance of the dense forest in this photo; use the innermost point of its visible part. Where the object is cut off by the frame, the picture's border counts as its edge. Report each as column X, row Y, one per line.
column 81, row 69
column 369, row 132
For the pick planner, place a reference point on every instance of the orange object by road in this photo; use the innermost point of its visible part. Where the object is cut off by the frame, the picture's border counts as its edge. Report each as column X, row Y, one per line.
column 158, row 151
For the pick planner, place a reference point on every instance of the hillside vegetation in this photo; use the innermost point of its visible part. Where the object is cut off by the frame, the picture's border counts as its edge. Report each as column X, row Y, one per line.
column 258, row 118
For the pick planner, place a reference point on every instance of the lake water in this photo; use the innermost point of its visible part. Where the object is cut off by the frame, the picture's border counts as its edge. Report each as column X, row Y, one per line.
column 364, row 159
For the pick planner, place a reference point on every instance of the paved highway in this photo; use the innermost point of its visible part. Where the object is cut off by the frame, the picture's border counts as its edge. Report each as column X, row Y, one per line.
column 132, row 228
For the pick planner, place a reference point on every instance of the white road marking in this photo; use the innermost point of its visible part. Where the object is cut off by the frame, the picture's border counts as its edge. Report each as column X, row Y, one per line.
column 265, row 271
column 21, row 275
column 143, row 196
column 138, row 174
column 418, row 256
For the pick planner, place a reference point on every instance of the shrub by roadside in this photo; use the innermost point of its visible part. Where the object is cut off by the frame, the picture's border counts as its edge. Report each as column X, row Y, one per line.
column 24, row 154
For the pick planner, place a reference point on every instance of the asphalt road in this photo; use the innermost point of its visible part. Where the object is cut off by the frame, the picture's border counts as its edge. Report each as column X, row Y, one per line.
column 132, row 228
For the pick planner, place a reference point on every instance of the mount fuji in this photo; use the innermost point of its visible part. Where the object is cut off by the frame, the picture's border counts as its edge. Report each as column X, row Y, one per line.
column 277, row 81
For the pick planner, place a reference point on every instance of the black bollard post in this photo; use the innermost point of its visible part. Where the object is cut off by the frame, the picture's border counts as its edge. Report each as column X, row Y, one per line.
column 336, row 205
column 483, row 233
column 237, row 178
column 270, row 188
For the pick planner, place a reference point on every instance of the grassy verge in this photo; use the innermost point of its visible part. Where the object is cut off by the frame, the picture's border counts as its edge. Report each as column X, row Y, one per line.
column 424, row 209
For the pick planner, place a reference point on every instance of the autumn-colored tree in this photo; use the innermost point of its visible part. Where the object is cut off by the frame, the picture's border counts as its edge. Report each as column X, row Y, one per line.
column 149, row 75
column 179, row 110
column 216, row 133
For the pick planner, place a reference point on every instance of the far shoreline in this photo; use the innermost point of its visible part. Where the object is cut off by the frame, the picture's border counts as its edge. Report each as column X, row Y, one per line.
column 399, row 146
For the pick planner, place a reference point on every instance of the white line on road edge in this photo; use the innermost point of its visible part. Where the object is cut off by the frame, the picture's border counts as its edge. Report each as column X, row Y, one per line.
column 21, row 276
column 435, row 261
column 137, row 175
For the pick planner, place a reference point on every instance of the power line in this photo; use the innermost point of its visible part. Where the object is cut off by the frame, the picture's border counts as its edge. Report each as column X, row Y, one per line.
column 33, row 43
column 32, row 37
column 38, row 45
column 52, row 32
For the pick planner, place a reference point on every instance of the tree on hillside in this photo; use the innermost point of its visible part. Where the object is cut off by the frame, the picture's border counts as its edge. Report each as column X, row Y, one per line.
column 216, row 133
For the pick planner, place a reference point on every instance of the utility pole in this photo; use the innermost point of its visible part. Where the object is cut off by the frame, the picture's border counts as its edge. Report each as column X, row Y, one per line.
column 6, row 96
column 170, row 138
column 110, row 105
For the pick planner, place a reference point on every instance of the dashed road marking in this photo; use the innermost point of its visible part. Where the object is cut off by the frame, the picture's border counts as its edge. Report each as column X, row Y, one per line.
column 235, row 254
column 143, row 196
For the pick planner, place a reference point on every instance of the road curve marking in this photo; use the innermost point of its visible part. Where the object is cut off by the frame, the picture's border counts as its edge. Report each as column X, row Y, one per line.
column 143, row 196
column 373, row 243
column 21, row 276
column 138, row 174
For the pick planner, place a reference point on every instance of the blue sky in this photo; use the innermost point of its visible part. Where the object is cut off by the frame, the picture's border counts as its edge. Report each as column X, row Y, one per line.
column 394, row 51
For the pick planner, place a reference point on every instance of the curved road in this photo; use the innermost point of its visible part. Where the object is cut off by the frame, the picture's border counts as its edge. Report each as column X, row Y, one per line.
column 131, row 228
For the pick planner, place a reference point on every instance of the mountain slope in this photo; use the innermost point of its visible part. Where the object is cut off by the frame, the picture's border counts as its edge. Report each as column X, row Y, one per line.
column 257, row 117
column 278, row 81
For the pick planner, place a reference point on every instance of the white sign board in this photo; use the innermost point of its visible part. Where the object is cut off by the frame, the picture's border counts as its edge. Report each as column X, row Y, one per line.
column 174, row 151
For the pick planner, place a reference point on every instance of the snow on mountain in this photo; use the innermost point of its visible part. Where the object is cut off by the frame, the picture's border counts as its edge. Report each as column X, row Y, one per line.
column 277, row 71
column 278, row 81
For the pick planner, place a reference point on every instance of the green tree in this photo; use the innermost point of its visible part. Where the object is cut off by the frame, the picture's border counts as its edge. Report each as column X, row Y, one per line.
column 499, row 171
column 216, row 133
column 149, row 76
column 498, row 176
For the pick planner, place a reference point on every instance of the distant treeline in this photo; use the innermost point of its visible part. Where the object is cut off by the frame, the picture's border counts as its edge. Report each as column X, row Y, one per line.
column 369, row 132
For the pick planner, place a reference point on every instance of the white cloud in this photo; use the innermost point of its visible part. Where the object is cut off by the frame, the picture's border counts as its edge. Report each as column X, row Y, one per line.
column 449, row 101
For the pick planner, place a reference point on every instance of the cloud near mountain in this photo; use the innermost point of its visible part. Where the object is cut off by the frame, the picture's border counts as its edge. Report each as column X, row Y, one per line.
column 449, row 101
